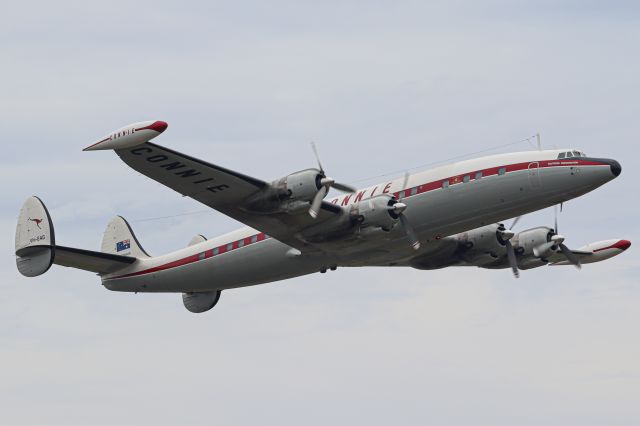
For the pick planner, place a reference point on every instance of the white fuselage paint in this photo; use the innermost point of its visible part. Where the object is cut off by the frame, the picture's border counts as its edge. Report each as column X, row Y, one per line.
column 538, row 181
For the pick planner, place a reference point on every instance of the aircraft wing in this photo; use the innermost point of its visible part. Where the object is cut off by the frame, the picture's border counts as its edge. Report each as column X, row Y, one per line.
column 225, row 190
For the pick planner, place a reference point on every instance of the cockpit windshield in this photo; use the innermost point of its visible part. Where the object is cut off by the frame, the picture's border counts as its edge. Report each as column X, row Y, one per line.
column 571, row 154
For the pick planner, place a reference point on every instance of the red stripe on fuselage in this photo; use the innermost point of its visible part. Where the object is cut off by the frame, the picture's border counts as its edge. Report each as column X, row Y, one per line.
column 421, row 189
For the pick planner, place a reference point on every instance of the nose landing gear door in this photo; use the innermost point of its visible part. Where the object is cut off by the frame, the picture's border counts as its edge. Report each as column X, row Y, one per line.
column 534, row 175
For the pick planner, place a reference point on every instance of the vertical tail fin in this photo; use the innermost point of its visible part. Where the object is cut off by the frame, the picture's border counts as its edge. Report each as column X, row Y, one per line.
column 35, row 239
column 120, row 239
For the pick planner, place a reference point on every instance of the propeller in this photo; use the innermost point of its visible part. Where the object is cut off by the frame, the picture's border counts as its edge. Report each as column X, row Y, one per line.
column 558, row 240
column 325, row 183
column 398, row 209
column 511, row 256
column 506, row 235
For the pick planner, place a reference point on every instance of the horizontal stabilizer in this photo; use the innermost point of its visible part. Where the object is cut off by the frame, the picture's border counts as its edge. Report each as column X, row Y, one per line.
column 94, row 261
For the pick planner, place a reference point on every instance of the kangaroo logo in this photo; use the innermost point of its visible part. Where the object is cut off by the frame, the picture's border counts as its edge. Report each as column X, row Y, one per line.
column 37, row 221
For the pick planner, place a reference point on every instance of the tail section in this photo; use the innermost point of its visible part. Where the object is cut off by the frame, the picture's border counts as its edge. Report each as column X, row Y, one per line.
column 36, row 249
column 119, row 239
column 35, row 239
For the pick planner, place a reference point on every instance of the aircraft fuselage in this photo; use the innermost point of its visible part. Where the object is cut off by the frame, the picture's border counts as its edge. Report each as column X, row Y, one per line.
column 442, row 201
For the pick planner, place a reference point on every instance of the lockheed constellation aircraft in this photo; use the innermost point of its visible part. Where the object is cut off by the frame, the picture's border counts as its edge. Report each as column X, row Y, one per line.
column 447, row 216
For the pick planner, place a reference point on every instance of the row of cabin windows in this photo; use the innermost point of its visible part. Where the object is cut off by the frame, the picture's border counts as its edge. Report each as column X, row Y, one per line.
column 229, row 247
column 412, row 191
column 571, row 154
column 478, row 176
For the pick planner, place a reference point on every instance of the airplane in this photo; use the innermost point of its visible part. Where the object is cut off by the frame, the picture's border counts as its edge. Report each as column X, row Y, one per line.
column 452, row 215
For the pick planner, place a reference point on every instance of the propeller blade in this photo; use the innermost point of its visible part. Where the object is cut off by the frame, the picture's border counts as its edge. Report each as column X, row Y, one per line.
column 408, row 229
column 317, row 201
column 344, row 188
column 515, row 221
column 555, row 209
column 571, row 257
column 315, row 152
column 511, row 256
column 405, row 180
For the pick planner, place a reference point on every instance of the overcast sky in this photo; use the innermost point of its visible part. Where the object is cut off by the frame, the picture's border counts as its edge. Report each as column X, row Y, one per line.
column 380, row 87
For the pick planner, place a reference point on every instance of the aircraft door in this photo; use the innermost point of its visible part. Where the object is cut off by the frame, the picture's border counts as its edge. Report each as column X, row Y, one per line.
column 534, row 175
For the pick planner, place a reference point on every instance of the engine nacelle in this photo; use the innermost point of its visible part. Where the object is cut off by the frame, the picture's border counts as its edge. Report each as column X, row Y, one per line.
column 375, row 213
column 483, row 239
column 297, row 189
column 529, row 242
column 482, row 246
column 303, row 185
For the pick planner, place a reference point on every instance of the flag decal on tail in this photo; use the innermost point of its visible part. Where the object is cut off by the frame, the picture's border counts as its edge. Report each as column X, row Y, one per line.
column 123, row 245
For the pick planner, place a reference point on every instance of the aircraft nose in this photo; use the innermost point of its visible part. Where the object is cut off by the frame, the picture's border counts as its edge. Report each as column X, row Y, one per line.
column 616, row 168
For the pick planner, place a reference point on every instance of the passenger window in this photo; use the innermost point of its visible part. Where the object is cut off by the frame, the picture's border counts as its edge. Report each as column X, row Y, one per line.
column 254, row 239
column 561, row 155
column 466, row 178
column 216, row 251
column 229, row 246
column 502, row 170
column 414, row 191
column 445, row 183
column 240, row 243
column 478, row 175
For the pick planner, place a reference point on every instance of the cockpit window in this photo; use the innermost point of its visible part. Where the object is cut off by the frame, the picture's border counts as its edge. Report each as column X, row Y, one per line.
column 571, row 154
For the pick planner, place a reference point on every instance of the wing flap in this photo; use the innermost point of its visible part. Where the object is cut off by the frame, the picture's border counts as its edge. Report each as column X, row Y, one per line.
column 559, row 258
